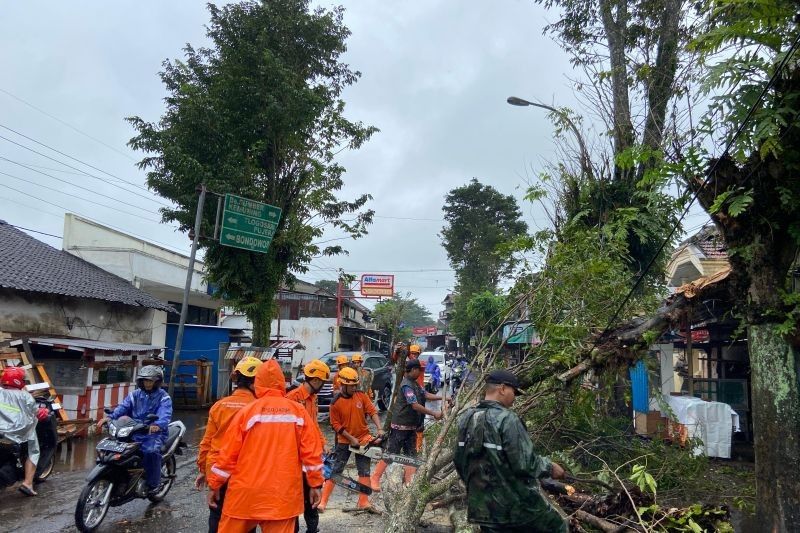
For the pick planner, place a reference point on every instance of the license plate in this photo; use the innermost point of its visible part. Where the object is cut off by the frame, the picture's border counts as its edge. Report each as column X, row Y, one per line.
column 111, row 446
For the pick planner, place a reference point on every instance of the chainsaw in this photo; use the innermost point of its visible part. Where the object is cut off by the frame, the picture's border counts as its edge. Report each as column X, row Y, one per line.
column 374, row 450
column 341, row 480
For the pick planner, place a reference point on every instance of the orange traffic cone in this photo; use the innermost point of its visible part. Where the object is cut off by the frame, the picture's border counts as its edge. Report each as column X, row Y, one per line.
column 375, row 479
column 327, row 489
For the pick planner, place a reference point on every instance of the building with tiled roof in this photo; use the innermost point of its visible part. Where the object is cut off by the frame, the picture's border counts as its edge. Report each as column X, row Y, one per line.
column 703, row 254
column 49, row 292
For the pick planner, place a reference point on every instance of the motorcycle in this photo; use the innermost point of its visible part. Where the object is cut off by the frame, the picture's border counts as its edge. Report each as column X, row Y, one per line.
column 13, row 455
column 118, row 477
column 457, row 376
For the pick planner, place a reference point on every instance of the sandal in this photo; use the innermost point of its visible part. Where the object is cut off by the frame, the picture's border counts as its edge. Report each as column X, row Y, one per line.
column 27, row 491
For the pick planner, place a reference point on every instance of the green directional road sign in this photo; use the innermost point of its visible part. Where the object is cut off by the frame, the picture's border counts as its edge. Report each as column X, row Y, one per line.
column 248, row 224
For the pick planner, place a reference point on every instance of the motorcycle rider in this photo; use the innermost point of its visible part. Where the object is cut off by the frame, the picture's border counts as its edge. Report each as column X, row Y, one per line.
column 316, row 373
column 18, row 421
column 148, row 399
column 219, row 419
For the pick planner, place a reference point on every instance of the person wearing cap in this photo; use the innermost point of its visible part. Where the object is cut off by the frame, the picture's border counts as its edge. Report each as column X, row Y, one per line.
column 219, row 419
column 408, row 416
column 316, row 373
column 495, row 459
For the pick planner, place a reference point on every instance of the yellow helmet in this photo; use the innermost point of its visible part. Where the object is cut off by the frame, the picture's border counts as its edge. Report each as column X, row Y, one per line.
column 357, row 358
column 348, row 376
column 317, row 369
column 248, row 366
column 342, row 359
column 414, row 348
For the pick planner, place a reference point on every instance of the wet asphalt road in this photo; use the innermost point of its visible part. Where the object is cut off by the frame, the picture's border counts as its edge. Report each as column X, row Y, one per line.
column 183, row 510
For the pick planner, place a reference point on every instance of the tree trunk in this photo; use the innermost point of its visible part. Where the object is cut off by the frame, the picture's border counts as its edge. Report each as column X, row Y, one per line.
column 775, row 370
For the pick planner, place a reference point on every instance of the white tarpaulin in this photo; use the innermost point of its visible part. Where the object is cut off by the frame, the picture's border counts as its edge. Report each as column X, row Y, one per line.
column 712, row 422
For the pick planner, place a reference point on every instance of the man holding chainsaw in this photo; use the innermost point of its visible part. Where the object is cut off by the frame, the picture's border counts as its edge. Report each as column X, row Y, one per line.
column 408, row 417
column 496, row 460
column 348, row 414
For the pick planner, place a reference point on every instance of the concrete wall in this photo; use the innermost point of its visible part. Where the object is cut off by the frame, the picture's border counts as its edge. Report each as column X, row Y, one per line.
column 313, row 333
column 156, row 270
column 50, row 315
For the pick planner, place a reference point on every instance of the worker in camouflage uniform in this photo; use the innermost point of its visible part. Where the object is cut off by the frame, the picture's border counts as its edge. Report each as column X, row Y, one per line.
column 495, row 459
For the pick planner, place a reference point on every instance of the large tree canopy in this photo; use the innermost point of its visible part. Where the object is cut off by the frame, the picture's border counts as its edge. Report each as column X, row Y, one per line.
column 479, row 219
column 259, row 114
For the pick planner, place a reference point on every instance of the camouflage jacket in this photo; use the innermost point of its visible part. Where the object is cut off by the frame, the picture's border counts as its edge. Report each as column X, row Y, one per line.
column 494, row 457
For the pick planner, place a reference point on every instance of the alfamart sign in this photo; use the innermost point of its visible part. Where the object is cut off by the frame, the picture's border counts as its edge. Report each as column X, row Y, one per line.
column 377, row 285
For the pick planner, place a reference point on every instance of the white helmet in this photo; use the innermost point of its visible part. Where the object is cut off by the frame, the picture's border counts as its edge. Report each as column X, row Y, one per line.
column 151, row 372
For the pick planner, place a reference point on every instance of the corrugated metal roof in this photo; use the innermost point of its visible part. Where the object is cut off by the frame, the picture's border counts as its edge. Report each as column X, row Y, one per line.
column 27, row 264
column 83, row 345
column 259, row 352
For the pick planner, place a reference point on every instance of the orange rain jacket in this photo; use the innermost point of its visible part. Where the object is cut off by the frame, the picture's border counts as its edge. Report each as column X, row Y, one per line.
column 350, row 414
column 309, row 401
column 219, row 417
column 268, row 446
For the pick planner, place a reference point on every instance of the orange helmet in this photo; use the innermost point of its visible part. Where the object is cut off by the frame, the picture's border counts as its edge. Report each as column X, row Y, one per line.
column 357, row 358
column 348, row 376
column 342, row 359
column 414, row 348
column 317, row 369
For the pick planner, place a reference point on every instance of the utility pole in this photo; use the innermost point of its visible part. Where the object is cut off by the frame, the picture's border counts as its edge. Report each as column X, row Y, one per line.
column 198, row 219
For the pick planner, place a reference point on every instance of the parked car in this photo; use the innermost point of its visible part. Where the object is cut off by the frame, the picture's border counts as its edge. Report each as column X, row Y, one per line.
column 381, row 382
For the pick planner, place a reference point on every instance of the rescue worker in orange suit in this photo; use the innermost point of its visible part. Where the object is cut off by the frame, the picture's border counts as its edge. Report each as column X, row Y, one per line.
column 342, row 362
column 348, row 415
column 413, row 355
column 365, row 375
column 219, row 418
column 269, row 444
column 316, row 374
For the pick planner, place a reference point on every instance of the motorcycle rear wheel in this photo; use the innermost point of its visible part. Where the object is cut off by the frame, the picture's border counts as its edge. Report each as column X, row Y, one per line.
column 93, row 504
column 167, row 479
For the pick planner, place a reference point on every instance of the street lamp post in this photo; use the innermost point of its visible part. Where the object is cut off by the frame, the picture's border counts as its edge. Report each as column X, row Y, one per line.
column 585, row 161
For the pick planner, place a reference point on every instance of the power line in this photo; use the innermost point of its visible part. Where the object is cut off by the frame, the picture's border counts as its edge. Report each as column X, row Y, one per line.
column 72, row 195
column 71, row 185
column 165, row 245
column 83, row 172
column 35, row 231
column 411, row 218
column 67, row 124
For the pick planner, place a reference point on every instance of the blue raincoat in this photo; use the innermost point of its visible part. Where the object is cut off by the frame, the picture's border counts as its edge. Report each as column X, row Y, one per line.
column 138, row 405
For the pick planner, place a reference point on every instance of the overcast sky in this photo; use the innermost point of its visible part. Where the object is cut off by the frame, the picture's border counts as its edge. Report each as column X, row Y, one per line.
column 436, row 75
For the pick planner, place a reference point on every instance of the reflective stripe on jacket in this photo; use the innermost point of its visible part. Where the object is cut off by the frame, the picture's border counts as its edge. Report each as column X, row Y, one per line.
column 269, row 444
column 494, row 456
column 219, row 418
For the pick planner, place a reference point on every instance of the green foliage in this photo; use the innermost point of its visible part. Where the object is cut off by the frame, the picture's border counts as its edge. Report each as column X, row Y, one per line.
column 478, row 220
column 643, row 479
column 329, row 285
column 259, row 114
column 389, row 314
column 733, row 201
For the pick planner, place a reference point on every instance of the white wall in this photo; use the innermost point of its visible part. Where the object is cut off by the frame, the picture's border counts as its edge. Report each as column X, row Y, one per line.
column 155, row 270
column 311, row 332
column 47, row 315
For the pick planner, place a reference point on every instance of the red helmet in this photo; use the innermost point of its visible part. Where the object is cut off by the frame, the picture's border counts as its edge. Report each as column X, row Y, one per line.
column 13, row 377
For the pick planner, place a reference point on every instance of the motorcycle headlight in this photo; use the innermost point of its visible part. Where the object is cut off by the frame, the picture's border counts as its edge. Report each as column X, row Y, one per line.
column 124, row 432
column 112, row 430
